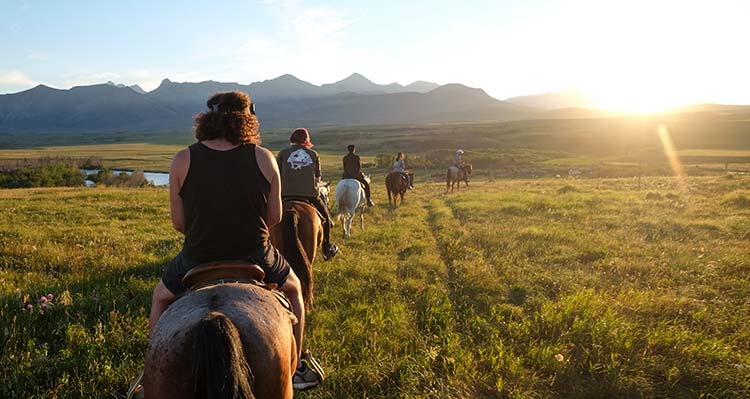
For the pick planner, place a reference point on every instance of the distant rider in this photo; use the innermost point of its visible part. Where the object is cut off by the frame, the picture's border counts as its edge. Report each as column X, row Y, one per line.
column 400, row 166
column 353, row 170
column 457, row 162
column 300, row 174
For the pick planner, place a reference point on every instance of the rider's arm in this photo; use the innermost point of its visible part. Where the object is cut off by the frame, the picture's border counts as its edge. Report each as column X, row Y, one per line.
column 317, row 168
column 270, row 170
column 177, row 173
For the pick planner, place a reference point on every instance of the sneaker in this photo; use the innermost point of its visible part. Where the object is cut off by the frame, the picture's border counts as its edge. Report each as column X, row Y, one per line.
column 370, row 203
column 329, row 251
column 305, row 378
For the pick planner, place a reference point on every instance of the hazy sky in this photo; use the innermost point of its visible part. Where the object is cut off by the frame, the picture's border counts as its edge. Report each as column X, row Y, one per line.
column 626, row 54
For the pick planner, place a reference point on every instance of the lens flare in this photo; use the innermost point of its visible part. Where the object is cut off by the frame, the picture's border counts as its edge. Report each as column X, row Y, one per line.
column 674, row 159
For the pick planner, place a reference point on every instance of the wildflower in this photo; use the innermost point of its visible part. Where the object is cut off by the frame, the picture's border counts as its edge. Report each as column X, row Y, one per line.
column 559, row 357
column 45, row 307
column 43, row 299
column 30, row 306
column 50, row 296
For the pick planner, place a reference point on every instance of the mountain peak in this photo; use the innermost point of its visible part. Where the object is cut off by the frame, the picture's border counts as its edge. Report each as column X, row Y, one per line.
column 355, row 78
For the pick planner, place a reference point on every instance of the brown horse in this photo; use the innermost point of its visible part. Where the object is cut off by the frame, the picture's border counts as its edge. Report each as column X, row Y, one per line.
column 396, row 183
column 455, row 176
column 298, row 237
column 231, row 340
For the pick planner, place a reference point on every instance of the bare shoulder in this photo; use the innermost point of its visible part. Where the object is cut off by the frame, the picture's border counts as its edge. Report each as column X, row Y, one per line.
column 181, row 159
column 263, row 153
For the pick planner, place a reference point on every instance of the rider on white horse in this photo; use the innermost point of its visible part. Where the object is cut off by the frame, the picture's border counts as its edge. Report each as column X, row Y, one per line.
column 353, row 170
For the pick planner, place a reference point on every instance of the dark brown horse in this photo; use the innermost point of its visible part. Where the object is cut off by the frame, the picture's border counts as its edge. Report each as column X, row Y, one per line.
column 298, row 237
column 396, row 183
column 455, row 176
column 231, row 340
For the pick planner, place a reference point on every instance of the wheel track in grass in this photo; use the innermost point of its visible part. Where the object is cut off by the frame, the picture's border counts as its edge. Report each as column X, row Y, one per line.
column 473, row 290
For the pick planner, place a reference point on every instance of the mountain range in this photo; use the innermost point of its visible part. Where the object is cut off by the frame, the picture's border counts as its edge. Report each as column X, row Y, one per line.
column 285, row 101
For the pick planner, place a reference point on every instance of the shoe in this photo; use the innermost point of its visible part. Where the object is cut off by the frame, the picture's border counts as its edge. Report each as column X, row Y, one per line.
column 305, row 378
column 329, row 251
column 411, row 187
column 370, row 203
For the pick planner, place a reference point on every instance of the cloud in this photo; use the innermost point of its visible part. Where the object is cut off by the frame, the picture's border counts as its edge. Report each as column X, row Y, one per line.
column 312, row 42
column 15, row 78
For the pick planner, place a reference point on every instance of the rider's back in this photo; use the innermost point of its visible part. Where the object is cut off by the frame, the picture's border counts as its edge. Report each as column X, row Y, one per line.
column 299, row 168
column 224, row 199
column 352, row 166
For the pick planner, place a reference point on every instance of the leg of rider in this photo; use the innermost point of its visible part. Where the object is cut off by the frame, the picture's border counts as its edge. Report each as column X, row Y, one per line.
column 323, row 209
column 293, row 291
column 366, row 187
column 161, row 299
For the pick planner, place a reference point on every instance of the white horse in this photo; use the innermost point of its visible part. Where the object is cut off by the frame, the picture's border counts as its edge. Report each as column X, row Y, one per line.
column 350, row 198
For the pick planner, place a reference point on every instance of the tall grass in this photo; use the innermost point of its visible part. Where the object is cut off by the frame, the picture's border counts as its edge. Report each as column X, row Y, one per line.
column 513, row 289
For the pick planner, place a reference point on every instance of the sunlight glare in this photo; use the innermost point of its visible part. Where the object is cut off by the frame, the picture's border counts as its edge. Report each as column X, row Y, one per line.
column 671, row 154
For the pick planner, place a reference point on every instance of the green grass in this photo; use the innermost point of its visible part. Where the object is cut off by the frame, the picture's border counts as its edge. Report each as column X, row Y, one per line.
column 513, row 289
column 601, row 147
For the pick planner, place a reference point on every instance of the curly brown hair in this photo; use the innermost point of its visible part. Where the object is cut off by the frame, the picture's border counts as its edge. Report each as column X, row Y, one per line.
column 229, row 118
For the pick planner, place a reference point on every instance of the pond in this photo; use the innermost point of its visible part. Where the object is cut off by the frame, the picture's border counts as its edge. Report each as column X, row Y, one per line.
column 159, row 179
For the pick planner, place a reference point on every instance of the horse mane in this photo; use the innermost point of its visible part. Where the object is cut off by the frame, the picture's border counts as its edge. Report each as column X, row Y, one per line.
column 219, row 366
column 296, row 255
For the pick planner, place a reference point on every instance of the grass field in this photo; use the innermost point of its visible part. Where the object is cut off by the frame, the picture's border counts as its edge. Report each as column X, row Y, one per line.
column 517, row 288
column 708, row 143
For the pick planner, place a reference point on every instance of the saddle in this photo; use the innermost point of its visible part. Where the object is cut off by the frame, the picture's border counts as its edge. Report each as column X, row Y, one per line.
column 230, row 271
column 288, row 202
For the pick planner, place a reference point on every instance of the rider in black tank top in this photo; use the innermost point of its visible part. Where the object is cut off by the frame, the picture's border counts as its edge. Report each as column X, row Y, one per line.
column 224, row 192
column 224, row 197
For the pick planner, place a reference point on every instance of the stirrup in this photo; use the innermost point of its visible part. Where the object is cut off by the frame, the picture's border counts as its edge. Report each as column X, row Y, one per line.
column 136, row 388
column 308, row 359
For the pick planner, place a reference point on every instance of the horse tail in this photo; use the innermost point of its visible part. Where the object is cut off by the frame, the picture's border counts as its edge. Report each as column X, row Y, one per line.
column 296, row 255
column 341, row 201
column 219, row 366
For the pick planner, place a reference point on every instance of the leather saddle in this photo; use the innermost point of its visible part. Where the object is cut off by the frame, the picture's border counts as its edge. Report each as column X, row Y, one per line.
column 288, row 203
column 224, row 271
column 231, row 271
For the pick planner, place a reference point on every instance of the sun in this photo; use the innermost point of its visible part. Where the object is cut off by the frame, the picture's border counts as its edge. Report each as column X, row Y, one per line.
column 642, row 94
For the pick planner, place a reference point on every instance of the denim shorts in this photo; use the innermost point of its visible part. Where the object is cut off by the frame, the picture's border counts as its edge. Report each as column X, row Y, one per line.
column 268, row 258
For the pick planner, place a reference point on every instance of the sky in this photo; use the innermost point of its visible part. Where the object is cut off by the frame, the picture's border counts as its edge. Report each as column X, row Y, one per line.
column 633, row 55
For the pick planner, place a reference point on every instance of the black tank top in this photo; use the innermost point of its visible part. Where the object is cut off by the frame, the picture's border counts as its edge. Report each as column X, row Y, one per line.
column 224, row 198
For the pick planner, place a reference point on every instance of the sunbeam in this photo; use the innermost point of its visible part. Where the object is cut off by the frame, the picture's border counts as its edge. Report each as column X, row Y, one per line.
column 674, row 159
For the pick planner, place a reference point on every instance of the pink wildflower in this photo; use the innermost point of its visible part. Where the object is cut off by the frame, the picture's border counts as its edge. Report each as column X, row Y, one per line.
column 43, row 299
column 50, row 296
column 45, row 307
column 30, row 307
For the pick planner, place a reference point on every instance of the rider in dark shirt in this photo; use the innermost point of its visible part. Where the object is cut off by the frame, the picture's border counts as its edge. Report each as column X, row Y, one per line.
column 353, row 170
column 299, row 167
